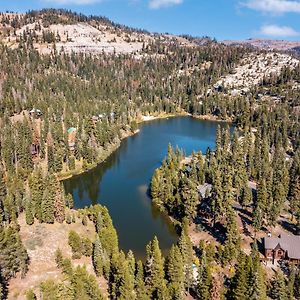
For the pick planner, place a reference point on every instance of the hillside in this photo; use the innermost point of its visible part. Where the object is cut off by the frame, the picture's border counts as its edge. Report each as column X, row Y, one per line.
column 270, row 45
column 72, row 88
column 72, row 33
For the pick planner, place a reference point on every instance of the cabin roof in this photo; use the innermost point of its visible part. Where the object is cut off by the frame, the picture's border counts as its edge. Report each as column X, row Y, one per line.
column 289, row 243
column 71, row 130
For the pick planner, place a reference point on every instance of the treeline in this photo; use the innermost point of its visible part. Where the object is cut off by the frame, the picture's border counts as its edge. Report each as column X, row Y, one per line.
column 201, row 271
column 229, row 174
column 230, row 169
column 156, row 278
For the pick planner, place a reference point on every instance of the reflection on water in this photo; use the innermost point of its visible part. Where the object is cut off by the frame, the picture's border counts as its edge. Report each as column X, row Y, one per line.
column 121, row 182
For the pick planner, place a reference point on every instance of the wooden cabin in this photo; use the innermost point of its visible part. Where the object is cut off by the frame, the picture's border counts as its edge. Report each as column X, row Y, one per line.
column 284, row 247
column 35, row 150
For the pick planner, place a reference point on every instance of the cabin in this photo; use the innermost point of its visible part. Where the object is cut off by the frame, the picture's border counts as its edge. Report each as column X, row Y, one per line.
column 95, row 119
column 283, row 247
column 72, row 138
column 34, row 150
column 35, row 113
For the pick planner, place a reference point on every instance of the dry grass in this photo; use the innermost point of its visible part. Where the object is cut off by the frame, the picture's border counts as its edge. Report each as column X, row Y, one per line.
column 41, row 242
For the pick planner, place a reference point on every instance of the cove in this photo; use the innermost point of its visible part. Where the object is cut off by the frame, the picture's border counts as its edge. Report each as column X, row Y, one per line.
column 121, row 182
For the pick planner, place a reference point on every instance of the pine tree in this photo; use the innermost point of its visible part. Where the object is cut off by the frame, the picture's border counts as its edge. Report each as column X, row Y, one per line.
column 140, row 286
column 75, row 242
column 84, row 285
column 279, row 289
column 204, row 285
column 69, row 201
column 59, row 205
column 246, row 196
column 99, row 223
column 227, row 192
column 189, row 196
column 217, row 197
column 186, row 249
column 232, row 243
column 295, row 200
column 3, row 193
column 175, row 273
column 37, row 186
column 29, row 214
column 155, row 280
column 131, row 265
column 238, row 289
column 256, row 278
column 47, row 205
column 58, row 258
column 98, row 257
column 122, row 284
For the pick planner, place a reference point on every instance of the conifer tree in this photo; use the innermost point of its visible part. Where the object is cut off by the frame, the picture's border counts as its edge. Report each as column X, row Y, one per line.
column 131, row 265
column 3, row 192
column 189, row 196
column 279, row 289
column 175, row 273
column 37, row 186
column 47, row 205
column 97, row 259
column 59, row 204
column 217, row 197
column 256, row 278
column 140, row 286
column 238, row 289
column 186, row 249
column 122, row 284
column 204, row 285
column 232, row 243
column 246, row 196
column 29, row 214
column 155, row 281
column 99, row 223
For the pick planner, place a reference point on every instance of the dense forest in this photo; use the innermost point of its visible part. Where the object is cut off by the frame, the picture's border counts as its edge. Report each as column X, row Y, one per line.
column 62, row 113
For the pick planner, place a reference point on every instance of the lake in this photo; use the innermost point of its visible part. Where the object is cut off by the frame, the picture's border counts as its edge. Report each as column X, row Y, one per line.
column 121, row 182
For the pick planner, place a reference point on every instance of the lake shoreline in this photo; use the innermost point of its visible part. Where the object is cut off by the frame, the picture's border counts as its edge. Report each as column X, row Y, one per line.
column 110, row 151
column 121, row 182
column 143, row 119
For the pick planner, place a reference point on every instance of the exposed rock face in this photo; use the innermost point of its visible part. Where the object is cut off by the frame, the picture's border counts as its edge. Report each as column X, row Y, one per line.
column 90, row 36
column 252, row 69
column 277, row 45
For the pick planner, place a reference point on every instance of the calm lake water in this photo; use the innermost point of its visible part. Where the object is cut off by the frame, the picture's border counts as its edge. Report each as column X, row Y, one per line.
column 121, row 182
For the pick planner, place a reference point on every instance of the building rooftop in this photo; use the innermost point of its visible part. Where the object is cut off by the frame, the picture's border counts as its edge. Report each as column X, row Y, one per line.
column 289, row 243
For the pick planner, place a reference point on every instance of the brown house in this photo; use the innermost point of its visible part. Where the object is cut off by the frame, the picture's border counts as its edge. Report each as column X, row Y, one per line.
column 35, row 150
column 285, row 247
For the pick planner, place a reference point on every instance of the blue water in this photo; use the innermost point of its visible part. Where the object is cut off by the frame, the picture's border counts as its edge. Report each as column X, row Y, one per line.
column 121, row 182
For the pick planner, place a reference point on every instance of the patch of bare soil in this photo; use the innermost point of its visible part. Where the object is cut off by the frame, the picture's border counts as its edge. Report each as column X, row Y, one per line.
column 41, row 242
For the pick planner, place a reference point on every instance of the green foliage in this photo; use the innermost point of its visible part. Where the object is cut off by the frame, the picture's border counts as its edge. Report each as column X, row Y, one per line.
column 30, row 295
column 140, row 287
column 175, row 273
column 13, row 255
column 279, row 289
column 29, row 213
column 155, row 277
column 80, row 245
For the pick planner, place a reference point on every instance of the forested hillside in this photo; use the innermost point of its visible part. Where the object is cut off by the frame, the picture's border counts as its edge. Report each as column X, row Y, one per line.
column 64, row 108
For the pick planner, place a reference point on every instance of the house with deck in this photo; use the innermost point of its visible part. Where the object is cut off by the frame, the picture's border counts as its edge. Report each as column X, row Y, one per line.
column 283, row 247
